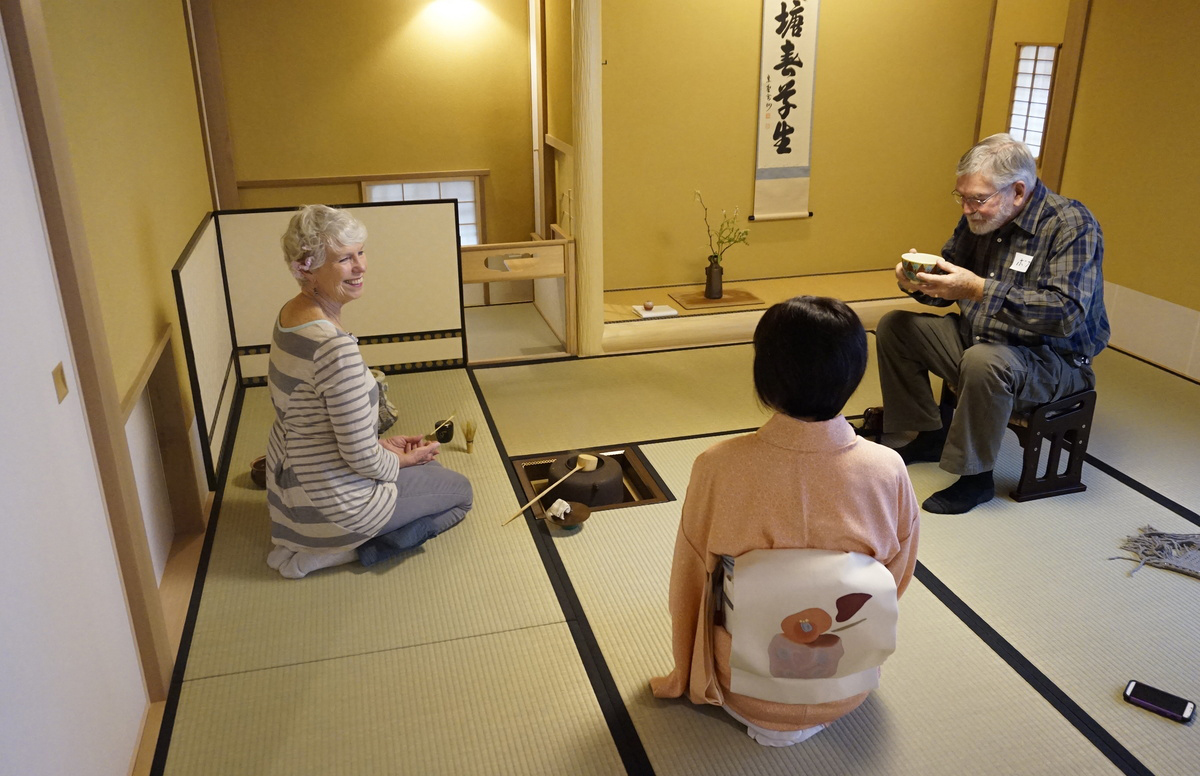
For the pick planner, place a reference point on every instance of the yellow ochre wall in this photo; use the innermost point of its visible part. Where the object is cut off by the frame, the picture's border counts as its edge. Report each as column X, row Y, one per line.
column 363, row 87
column 1017, row 21
column 897, row 92
column 128, row 103
column 1132, row 155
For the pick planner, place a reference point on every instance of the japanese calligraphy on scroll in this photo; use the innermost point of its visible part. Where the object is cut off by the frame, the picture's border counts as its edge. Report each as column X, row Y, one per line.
column 789, row 47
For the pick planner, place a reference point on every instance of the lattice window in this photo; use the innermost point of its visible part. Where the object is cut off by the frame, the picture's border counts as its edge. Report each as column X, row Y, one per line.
column 468, row 192
column 1032, row 84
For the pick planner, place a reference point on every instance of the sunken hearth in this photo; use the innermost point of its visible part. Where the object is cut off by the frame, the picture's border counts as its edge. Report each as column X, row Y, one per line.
column 640, row 485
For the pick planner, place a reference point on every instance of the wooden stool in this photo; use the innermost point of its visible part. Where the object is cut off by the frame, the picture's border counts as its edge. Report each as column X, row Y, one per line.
column 1064, row 425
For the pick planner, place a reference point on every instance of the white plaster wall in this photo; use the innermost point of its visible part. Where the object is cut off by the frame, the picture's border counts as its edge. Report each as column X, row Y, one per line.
column 550, row 298
column 151, row 483
column 1165, row 333
column 71, row 692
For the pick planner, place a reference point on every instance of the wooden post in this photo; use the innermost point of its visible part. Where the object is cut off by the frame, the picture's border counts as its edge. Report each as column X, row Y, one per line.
column 987, row 61
column 587, row 126
column 1062, row 100
column 210, row 98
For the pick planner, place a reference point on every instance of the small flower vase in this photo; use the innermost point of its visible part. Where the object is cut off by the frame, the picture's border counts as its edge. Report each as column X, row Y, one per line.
column 712, row 281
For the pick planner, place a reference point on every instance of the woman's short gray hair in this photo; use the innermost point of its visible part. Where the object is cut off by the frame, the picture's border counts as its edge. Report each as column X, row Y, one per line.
column 1001, row 157
column 313, row 229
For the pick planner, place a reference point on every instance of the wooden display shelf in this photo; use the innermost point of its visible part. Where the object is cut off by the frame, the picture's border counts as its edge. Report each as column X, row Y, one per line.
column 733, row 297
column 504, row 262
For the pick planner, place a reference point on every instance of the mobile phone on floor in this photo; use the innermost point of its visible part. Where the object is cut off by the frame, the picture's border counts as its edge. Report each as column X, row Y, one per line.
column 1160, row 702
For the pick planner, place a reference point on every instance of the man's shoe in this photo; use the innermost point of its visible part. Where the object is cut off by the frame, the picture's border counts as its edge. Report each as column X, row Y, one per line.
column 970, row 491
column 926, row 448
column 872, row 424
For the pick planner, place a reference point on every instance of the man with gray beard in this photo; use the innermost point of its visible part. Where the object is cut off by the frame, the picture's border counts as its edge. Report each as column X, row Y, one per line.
column 1024, row 268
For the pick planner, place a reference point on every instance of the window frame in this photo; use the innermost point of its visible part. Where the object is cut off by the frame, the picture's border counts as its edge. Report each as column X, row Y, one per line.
column 475, row 177
column 1012, row 97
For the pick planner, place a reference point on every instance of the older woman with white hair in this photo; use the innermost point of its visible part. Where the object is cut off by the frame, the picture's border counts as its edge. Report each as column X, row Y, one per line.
column 335, row 491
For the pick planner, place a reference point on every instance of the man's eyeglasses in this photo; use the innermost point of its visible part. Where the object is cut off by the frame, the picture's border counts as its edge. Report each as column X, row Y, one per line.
column 975, row 202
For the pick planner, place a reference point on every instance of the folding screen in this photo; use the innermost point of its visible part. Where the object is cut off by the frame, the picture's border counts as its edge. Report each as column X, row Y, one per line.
column 233, row 280
column 208, row 340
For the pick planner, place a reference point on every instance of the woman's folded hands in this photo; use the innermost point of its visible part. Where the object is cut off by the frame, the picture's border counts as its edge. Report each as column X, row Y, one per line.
column 411, row 450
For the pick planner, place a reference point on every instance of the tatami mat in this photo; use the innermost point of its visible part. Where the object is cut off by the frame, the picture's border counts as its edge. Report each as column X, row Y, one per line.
column 611, row 400
column 508, row 703
column 947, row 705
column 1147, row 425
column 475, row 579
column 457, row 659
column 1039, row 573
column 619, row 399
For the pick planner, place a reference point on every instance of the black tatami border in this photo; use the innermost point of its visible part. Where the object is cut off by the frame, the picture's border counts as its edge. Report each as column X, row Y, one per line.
column 1144, row 490
column 620, row 724
column 167, row 726
column 608, row 695
column 1092, row 730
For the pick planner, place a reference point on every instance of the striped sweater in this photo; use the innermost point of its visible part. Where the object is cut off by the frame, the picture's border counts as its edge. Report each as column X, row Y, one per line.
column 330, row 485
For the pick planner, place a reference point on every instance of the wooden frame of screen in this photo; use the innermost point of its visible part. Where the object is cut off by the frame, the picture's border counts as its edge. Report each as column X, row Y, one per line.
column 212, row 401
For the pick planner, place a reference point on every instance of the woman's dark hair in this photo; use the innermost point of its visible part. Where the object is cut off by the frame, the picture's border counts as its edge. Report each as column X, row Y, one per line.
column 810, row 353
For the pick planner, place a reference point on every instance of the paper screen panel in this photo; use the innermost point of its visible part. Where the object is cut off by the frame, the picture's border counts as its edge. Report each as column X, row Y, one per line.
column 200, row 294
column 412, row 281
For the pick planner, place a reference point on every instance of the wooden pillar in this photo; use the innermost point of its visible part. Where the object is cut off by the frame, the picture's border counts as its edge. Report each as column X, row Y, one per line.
column 210, row 99
column 543, row 161
column 1062, row 99
column 983, row 81
column 587, row 124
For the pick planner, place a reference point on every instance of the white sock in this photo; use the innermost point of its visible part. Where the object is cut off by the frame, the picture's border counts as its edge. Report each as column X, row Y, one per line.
column 781, row 737
column 279, row 556
column 767, row 737
column 303, row 563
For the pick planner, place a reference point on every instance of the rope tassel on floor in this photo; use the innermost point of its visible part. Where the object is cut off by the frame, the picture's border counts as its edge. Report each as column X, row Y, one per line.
column 1174, row 552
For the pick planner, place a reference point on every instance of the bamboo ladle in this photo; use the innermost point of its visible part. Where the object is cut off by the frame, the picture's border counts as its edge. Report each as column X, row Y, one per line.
column 583, row 461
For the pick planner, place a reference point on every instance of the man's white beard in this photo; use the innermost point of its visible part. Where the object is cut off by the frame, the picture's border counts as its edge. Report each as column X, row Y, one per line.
column 987, row 226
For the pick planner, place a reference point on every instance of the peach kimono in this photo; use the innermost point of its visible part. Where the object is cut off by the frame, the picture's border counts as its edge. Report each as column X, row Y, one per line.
column 791, row 484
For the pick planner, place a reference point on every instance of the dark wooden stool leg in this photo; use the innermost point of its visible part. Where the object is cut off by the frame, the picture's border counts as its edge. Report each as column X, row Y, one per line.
column 1064, row 425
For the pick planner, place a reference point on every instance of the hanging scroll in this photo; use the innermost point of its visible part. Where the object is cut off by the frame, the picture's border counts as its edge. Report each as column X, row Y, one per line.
column 789, row 48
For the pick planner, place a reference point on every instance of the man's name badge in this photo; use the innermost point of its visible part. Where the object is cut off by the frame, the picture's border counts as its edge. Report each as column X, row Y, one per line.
column 1021, row 262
